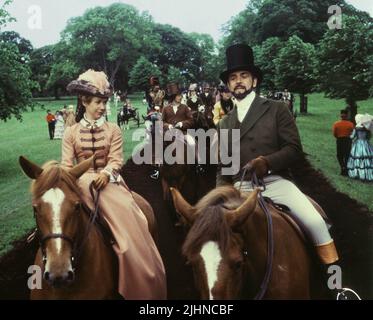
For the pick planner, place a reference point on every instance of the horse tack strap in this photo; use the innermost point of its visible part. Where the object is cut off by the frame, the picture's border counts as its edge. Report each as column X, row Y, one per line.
column 93, row 217
column 57, row 236
column 270, row 243
column 270, row 249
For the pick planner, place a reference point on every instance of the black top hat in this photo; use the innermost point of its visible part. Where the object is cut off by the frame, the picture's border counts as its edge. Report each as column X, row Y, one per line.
column 240, row 57
column 173, row 89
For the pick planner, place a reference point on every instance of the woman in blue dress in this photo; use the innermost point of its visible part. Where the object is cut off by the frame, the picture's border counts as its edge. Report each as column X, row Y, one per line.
column 360, row 162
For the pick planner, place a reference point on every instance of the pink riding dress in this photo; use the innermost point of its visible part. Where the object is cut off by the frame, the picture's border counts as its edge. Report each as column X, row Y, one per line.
column 141, row 270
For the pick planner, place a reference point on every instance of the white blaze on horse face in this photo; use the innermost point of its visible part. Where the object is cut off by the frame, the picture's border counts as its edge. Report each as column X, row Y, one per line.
column 55, row 198
column 211, row 256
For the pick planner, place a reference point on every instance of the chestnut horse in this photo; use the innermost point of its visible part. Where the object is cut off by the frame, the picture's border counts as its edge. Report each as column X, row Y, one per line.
column 76, row 261
column 227, row 248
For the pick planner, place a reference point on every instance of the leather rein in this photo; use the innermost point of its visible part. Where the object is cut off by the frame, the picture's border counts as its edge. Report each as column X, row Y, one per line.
column 256, row 183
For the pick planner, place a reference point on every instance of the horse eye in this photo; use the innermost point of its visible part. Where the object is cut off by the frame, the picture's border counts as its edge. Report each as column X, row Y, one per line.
column 77, row 205
column 237, row 265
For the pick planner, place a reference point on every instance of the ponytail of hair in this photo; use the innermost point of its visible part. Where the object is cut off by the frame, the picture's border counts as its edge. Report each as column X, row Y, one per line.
column 79, row 110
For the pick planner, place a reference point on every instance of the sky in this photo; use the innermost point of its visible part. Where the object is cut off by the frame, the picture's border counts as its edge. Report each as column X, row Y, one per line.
column 41, row 21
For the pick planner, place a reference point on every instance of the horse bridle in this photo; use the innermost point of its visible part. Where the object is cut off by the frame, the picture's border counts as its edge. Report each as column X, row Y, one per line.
column 76, row 249
column 256, row 183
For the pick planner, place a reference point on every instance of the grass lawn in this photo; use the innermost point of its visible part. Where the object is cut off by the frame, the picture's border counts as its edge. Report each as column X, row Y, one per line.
column 316, row 134
column 30, row 138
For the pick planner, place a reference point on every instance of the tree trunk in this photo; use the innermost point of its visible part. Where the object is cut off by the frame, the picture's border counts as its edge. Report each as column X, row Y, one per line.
column 352, row 109
column 56, row 93
column 303, row 103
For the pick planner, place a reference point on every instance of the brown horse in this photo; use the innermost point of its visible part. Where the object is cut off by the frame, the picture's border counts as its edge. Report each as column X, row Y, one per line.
column 76, row 261
column 227, row 248
column 183, row 176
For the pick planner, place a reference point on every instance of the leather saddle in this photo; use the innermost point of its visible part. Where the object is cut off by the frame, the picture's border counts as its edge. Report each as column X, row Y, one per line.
column 284, row 211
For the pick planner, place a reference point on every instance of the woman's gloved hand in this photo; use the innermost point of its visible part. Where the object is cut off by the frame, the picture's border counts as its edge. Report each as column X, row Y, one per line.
column 101, row 181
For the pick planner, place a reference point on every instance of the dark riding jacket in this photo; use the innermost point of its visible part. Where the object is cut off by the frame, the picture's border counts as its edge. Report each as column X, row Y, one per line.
column 269, row 130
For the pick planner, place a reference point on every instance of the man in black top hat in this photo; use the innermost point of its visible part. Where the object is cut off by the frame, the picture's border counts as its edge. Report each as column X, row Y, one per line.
column 269, row 146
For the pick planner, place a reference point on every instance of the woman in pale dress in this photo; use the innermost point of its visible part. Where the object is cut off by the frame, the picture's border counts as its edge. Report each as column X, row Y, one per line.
column 141, row 270
column 60, row 126
column 70, row 117
column 360, row 162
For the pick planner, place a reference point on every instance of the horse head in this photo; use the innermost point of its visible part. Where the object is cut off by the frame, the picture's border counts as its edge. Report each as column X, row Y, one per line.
column 57, row 207
column 215, row 244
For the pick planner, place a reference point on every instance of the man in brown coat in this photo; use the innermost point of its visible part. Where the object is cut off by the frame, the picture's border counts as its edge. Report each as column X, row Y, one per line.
column 269, row 146
column 176, row 115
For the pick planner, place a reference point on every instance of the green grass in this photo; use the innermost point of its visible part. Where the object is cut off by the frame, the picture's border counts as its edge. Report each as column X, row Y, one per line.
column 30, row 138
column 316, row 134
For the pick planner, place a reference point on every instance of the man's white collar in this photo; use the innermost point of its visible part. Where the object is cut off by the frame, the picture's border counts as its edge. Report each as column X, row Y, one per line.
column 244, row 105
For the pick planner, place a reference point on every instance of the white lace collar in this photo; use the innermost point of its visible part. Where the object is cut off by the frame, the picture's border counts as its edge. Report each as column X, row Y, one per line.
column 92, row 124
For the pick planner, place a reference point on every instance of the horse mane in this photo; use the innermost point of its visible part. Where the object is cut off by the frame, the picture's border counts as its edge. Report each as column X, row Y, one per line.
column 52, row 176
column 210, row 224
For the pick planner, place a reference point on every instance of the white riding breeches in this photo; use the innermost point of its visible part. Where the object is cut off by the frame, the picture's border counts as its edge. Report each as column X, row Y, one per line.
column 285, row 192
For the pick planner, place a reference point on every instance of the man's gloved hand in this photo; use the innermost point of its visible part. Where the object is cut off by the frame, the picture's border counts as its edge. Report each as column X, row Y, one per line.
column 179, row 125
column 258, row 165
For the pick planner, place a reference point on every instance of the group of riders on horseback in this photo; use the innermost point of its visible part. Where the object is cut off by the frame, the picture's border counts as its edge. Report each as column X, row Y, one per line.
column 269, row 146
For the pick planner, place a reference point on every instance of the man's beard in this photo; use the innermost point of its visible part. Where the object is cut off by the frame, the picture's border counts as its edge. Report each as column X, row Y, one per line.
column 241, row 96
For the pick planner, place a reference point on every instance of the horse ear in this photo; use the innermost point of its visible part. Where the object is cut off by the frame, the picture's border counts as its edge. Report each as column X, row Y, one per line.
column 238, row 216
column 82, row 167
column 182, row 206
column 32, row 170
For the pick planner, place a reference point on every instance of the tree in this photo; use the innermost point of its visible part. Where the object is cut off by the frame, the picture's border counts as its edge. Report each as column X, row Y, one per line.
column 141, row 72
column 265, row 55
column 209, row 55
column 261, row 20
column 24, row 46
column 41, row 61
column 345, row 61
column 15, row 83
column 295, row 67
column 110, row 39
column 304, row 18
column 4, row 15
column 240, row 28
column 176, row 75
column 178, row 50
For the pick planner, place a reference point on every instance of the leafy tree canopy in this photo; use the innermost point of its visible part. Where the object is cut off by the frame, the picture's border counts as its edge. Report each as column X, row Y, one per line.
column 345, row 68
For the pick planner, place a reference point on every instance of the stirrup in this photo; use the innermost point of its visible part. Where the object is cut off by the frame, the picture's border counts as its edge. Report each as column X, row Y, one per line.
column 347, row 294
